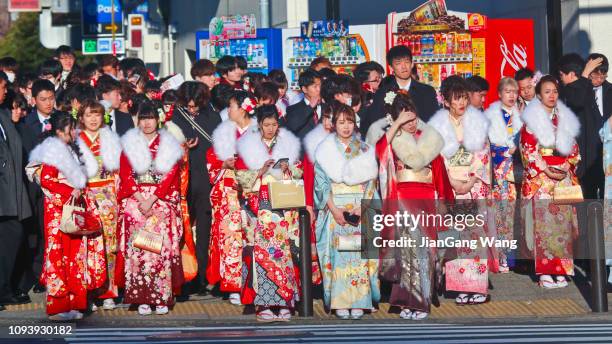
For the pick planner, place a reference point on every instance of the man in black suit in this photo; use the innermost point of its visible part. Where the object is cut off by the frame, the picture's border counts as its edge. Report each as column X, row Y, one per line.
column 601, row 86
column 108, row 90
column 423, row 96
column 198, row 121
column 302, row 117
column 14, row 203
column 30, row 129
column 577, row 93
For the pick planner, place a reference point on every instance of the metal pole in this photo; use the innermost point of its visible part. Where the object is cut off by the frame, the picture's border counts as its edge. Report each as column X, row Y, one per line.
column 113, row 27
column 599, row 296
column 305, row 306
column 264, row 13
column 170, row 50
column 555, row 32
column 333, row 9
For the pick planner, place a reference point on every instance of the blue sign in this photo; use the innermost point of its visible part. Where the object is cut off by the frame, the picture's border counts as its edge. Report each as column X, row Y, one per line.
column 97, row 17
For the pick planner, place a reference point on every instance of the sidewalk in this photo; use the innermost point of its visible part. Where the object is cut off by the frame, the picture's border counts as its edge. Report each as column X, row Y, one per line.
column 513, row 296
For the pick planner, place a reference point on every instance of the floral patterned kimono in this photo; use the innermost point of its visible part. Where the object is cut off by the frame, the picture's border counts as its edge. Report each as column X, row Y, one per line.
column 151, row 168
column 549, row 227
column 466, row 154
column 270, row 270
column 504, row 135
column 72, row 264
column 412, row 176
column 101, row 155
column 346, row 173
column 227, row 233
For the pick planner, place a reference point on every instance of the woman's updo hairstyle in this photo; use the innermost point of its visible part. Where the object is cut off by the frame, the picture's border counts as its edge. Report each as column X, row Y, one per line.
column 266, row 111
column 454, row 87
column 545, row 79
column 402, row 102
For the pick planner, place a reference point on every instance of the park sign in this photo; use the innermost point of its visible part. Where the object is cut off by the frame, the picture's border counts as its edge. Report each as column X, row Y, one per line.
column 103, row 45
column 97, row 18
column 24, row 6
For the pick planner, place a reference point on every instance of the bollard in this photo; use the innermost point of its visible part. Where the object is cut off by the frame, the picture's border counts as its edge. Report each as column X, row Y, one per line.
column 599, row 296
column 305, row 305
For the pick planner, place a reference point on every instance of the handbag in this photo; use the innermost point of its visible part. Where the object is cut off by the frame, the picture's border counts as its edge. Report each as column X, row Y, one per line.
column 287, row 194
column 78, row 220
column 148, row 241
column 567, row 194
column 348, row 242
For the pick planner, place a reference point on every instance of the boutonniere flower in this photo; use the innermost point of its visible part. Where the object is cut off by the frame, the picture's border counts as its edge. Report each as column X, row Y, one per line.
column 390, row 97
column 107, row 118
column 47, row 127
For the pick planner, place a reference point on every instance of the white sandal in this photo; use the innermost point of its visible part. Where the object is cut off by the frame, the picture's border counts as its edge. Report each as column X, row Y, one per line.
column 234, row 299
column 406, row 314
column 265, row 316
column 476, row 299
column 462, row 299
column 546, row 282
column 561, row 282
column 356, row 314
column 418, row 315
column 284, row 315
column 343, row 314
column 144, row 310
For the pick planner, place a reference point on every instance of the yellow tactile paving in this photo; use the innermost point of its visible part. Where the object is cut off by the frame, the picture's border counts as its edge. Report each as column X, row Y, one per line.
column 447, row 310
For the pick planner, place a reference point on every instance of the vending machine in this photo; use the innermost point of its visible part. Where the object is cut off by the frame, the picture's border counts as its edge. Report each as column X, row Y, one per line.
column 263, row 51
column 345, row 50
column 445, row 43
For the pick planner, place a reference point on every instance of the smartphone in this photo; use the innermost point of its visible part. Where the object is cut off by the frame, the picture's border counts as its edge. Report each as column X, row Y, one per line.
column 279, row 162
column 351, row 219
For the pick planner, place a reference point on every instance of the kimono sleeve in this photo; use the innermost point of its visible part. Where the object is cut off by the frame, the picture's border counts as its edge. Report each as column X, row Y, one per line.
column 169, row 184
column 127, row 184
column 214, row 165
column 322, row 187
column 309, row 175
column 481, row 166
column 532, row 160
column 50, row 182
column 441, row 182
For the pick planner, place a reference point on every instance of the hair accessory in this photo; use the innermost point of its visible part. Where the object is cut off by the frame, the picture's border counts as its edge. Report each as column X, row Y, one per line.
column 390, row 97
column 389, row 119
column 536, row 77
column 74, row 113
column 249, row 104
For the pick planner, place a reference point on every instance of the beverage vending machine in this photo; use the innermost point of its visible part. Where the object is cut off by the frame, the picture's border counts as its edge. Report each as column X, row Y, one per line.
column 347, row 47
column 445, row 43
column 238, row 36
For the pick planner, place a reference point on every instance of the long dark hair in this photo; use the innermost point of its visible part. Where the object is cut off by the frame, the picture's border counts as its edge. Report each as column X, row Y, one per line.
column 59, row 120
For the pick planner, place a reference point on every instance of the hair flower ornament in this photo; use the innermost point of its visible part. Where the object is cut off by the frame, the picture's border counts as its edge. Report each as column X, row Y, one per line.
column 390, row 97
column 249, row 104
column 162, row 116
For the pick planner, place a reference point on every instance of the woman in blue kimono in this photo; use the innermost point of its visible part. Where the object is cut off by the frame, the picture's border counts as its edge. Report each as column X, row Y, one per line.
column 345, row 168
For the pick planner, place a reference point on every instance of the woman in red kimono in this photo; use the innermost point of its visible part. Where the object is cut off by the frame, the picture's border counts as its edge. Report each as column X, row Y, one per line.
column 55, row 165
column 550, row 154
column 270, row 273
column 150, row 200
column 467, row 158
column 412, row 177
column 227, row 232
column 101, row 150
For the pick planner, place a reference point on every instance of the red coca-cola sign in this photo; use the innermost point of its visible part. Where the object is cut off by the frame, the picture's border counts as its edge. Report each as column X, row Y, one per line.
column 509, row 46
